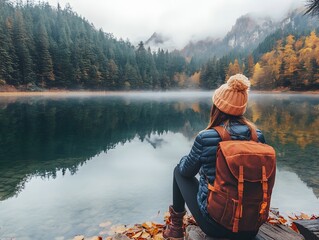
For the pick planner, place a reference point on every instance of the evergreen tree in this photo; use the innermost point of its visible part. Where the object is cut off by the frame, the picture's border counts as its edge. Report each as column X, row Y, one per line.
column 112, row 76
column 44, row 65
column 131, row 77
column 6, row 64
column 26, row 74
column 211, row 77
column 250, row 66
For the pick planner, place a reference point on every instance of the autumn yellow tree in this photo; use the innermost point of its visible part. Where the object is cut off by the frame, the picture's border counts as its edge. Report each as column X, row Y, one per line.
column 290, row 62
column 309, row 59
column 272, row 65
column 271, row 70
column 257, row 79
column 233, row 69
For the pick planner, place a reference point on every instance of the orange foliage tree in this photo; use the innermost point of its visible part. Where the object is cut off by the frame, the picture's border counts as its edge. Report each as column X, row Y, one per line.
column 233, row 69
column 292, row 63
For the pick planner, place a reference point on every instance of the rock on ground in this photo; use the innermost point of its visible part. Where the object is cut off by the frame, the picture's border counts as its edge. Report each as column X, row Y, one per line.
column 195, row 233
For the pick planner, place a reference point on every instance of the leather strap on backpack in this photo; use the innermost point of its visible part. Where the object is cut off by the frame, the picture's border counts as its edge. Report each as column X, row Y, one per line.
column 265, row 191
column 253, row 134
column 224, row 135
column 239, row 209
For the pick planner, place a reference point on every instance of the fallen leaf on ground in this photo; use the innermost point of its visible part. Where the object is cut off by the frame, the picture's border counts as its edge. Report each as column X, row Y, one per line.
column 292, row 217
column 272, row 221
column 137, row 235
column 145, row 235
column 158, row 225
column 147, row 225
column 154, row 231
column 304, row 216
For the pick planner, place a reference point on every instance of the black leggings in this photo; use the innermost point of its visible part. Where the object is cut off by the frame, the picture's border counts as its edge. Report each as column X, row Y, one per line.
column 185, row 190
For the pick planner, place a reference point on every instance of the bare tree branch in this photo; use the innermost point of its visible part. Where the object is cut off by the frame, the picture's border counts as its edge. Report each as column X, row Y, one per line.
column 312, row 7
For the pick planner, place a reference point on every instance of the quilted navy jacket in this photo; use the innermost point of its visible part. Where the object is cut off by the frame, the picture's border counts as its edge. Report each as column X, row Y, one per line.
column 202, row 158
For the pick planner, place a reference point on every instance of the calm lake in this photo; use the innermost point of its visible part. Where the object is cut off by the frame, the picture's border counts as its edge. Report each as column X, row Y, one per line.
column 69, row 163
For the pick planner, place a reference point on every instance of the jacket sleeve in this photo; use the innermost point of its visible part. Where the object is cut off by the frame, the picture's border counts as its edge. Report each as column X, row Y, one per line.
column 190, row 164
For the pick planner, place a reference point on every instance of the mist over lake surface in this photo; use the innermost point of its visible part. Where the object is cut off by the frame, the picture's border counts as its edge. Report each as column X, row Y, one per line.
column 70, row 162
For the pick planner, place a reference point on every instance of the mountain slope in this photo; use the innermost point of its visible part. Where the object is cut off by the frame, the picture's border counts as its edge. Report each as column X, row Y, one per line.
column 295, row 23
column 245, row 35
column 159, row 40
column 249, row 32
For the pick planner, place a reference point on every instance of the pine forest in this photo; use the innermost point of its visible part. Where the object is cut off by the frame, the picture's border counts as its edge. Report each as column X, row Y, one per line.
column 49, row 47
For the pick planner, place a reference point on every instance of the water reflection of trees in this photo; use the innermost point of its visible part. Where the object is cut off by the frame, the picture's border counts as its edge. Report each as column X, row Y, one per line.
column 41, row 137
column 291, row 125
column 290, row 120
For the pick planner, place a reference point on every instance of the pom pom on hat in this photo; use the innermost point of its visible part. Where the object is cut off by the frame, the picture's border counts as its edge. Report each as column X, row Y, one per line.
column 238, row 82
column 232, row 97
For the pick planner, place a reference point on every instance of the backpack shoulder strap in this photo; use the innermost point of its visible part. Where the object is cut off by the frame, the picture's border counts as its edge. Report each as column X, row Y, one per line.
column 224, row 135
column 253, row 134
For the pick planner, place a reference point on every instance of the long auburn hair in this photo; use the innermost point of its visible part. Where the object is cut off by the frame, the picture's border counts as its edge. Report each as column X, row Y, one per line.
column 218, row 117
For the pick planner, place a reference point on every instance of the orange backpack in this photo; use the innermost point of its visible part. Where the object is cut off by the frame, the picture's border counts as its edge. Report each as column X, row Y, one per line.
column 239, row 199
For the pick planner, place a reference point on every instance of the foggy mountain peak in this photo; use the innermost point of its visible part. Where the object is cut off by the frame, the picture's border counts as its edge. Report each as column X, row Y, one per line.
column 157, row 38
column 249, row 31
column 250, row 22
column 296, row 19
column 245, row 35
column 160, row 40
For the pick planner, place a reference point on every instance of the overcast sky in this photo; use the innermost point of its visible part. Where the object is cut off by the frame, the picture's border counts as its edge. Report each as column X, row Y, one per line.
column 181, row 19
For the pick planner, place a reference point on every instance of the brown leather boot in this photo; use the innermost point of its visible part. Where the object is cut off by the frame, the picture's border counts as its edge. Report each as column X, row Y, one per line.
column 174, row 230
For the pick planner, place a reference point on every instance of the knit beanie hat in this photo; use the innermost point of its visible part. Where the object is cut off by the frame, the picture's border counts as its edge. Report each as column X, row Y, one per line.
column 232, row 97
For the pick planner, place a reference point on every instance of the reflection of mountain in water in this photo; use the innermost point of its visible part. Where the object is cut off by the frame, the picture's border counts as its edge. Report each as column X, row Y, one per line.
column 42, row 136
column 155, row 143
